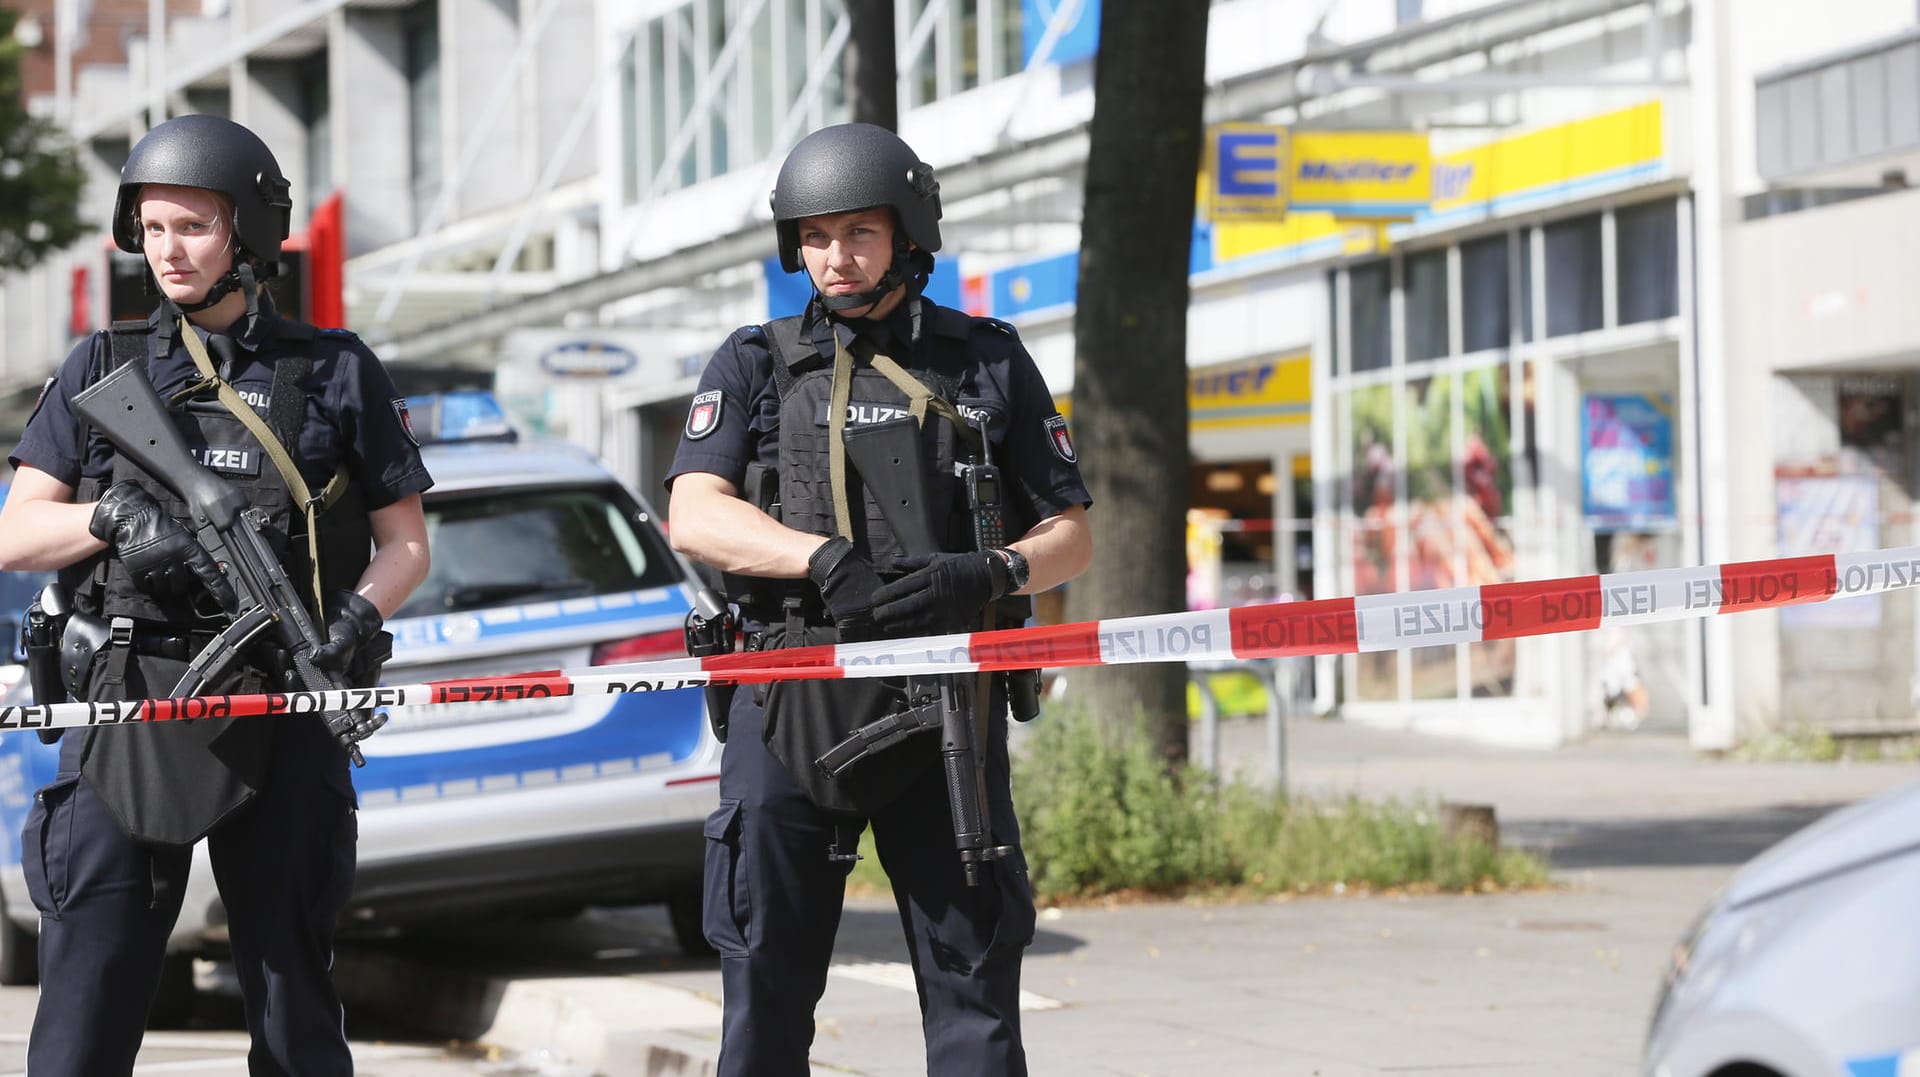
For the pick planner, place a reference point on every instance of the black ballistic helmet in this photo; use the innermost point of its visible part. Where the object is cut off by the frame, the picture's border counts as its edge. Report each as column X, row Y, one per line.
column 854, row 166
column 215, row 154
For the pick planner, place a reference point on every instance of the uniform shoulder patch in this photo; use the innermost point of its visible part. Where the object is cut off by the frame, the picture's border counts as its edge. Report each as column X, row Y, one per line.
column 1002, row 327
column 703, row 416
column 401, row 413
column 1061, row 441
column 45, row 388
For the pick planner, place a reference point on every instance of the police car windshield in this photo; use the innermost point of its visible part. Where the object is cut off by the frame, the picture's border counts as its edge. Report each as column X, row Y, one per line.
column 537, row 544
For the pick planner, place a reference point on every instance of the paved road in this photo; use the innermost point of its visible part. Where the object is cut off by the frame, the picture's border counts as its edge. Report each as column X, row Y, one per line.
column 1641, row 829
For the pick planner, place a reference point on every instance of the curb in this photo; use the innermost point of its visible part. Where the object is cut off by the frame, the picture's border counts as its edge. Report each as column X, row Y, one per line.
column 604, row 1026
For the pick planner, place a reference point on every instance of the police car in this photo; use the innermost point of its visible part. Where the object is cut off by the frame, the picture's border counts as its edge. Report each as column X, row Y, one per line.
column 542, row 560
column 16, row 590
column 1803, row 963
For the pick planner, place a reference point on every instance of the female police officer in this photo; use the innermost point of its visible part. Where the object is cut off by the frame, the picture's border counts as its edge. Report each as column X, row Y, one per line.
column 858, row 210
column 108, row 843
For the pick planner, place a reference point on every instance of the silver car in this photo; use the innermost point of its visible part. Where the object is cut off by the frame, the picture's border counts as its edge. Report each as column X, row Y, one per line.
column 1808, row 963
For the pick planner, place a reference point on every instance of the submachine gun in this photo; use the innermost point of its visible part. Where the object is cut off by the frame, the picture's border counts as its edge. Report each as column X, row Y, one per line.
column 125, row 409
column 888, row 458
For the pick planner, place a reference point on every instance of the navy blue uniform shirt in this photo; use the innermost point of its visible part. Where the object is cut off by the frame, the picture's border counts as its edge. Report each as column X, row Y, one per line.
column 1031, row 445
column 353, row 411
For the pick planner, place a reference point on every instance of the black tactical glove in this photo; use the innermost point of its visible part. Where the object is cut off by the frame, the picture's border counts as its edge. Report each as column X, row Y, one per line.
column 847, row 582
column 158, row 553
column 355, row 624
column 941, row 592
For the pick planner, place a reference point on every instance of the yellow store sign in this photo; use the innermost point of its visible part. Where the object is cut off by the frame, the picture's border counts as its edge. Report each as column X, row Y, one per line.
column 1372, row 175
column 1276, row 391
column 1568, row 160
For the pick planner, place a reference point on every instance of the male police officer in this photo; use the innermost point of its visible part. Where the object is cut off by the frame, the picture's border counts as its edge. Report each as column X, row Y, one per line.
column 858, row 210
column 306, row 422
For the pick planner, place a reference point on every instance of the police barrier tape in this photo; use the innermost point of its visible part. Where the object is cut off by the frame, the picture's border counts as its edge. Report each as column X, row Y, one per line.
column 1382, row 622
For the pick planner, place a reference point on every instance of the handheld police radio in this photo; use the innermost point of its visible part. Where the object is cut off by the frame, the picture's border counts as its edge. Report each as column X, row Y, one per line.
column 982, row 481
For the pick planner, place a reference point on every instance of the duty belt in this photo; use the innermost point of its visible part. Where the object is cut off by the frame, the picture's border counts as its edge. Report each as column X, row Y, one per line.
column 162, row 643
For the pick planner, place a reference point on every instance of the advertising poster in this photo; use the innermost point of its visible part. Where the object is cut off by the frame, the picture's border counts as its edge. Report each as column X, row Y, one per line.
column 1626, row 444
column 1830, row 514
column 1485, row 510
column 1375, row 539
column 1432, row 538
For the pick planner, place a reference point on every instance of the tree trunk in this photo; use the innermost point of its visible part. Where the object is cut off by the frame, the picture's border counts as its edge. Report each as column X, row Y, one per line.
column 872, row 76
column 1130, row 342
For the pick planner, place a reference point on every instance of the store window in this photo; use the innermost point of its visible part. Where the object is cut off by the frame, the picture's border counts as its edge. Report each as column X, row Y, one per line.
column 1574, row 276
column 1370, row 315
column 1438, row 442
column 1374, row 534
column 1427, row 322
column 1648, row 241
column 1484, row 304
column 1526, row 291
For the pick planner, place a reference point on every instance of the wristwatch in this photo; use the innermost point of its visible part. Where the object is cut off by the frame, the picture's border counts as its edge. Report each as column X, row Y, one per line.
column 1017, row 567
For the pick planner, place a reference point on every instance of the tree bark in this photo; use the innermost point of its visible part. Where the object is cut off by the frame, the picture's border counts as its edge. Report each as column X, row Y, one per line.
column 871, row 72
column 1130, row 343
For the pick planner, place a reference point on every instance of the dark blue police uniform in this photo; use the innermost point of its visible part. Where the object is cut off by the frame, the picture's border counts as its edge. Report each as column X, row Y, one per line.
column 773, row 897
column 283, row 861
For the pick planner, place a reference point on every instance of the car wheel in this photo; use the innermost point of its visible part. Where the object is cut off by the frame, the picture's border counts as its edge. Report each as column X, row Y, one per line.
column 173, row 1001
column 19, row 952
column 683, row 909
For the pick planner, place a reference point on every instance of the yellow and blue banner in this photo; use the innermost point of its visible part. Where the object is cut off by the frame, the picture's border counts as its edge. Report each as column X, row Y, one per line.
column 1248, row 166
column 1371, row 175
column 1507, row 175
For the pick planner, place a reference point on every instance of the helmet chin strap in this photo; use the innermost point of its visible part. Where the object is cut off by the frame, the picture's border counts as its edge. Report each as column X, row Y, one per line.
column 220, row 290
column 895, row 276
column 241, row 276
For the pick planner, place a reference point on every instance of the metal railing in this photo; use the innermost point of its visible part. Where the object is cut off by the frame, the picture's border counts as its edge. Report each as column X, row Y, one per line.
column 1287, row 683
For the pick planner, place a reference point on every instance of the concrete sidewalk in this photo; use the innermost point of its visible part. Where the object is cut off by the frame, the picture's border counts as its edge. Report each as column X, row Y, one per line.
column 1640, row 829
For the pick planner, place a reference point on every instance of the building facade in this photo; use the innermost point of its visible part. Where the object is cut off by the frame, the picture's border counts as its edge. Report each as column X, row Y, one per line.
column 1651, row 315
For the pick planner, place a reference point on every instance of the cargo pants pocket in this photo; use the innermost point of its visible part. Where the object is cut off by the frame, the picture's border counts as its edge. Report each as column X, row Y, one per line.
column 725, row 907
column 46, row 844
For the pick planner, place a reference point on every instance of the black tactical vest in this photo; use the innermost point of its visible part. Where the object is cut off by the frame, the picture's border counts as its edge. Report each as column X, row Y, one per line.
column 100, row 585
column 172, row 783
column 805, row 383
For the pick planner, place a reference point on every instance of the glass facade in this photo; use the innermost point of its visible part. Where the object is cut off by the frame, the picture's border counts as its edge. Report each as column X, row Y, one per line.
column 1437, row 424
column 762, row 95
column 422, row 43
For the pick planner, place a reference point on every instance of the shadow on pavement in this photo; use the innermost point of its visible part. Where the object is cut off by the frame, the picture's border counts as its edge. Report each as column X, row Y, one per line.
column 448, row 983
column 1711, row 840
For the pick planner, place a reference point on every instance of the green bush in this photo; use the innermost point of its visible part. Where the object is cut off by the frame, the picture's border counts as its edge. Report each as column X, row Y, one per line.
column 1100, row 815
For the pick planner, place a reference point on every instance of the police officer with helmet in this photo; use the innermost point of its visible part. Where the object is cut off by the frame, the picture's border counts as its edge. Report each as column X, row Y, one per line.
column 770, row 486
column 307, row 422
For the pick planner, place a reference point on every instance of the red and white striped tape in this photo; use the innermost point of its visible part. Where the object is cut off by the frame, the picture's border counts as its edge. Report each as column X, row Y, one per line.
column 1274, row 630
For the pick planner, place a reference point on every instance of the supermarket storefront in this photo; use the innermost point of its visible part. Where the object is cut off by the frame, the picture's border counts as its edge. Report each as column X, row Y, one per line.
column 1498, row 400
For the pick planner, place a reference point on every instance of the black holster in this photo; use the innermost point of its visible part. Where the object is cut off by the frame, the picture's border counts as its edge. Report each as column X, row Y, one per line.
column 40, row 633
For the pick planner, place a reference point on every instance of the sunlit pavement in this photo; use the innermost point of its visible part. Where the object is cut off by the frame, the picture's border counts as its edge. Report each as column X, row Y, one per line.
column 1641, row 831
